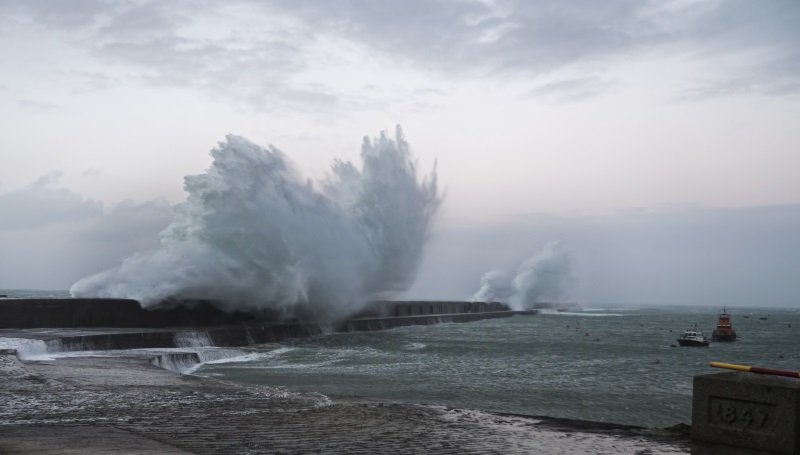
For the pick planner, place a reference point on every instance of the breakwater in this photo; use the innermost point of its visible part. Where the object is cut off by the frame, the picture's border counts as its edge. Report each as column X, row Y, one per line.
column 120, row 313
column 108, row 324
column 125, row 313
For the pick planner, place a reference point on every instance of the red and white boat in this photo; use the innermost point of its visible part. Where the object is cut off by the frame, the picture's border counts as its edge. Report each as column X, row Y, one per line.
column 724, row 330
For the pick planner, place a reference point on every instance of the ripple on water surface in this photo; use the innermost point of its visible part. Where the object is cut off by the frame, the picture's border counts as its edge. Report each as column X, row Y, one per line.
column 618, row 368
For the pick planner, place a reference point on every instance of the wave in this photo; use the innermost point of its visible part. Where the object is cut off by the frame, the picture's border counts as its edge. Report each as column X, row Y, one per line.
column 255, row 234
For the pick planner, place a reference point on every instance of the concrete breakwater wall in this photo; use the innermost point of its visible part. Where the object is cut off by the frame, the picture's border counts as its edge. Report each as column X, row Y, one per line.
column 224, row 336
column 108, row 324
column 121, row 313
column 427, row 307
column 124, row 313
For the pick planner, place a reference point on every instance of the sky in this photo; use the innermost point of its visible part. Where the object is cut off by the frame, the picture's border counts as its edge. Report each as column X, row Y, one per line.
column 658, row 140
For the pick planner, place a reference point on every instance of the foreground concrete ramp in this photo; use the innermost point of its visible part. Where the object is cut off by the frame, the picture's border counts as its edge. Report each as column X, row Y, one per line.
column 107, row 405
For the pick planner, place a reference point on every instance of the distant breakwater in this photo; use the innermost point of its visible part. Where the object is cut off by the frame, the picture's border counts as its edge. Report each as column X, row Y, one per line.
column 107, row 324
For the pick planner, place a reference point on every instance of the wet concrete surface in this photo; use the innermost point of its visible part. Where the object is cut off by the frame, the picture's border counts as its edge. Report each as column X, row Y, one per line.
column 95, row 405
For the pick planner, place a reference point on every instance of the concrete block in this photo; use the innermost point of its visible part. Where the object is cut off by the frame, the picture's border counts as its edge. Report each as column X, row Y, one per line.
column 747, row 410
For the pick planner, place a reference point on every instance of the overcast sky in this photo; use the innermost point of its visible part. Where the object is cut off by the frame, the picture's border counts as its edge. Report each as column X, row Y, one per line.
column 659, row 139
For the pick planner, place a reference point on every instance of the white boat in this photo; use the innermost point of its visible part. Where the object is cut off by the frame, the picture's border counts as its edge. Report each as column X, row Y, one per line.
column 694, row 338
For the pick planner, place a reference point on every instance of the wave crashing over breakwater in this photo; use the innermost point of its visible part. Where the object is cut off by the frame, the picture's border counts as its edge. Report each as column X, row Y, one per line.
column 544, row 277
column 254, row 234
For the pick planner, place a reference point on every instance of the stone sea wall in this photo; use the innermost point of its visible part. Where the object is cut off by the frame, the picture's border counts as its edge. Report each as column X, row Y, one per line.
column 123, row 313
column 107, row 324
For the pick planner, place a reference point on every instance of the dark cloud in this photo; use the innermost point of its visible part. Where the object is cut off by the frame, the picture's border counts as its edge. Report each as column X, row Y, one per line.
column 538, row 37
column 42, row 203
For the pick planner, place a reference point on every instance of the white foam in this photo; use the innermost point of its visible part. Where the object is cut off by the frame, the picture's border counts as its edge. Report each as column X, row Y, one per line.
column 215, row 356
column 192, row 339
column 27, row 349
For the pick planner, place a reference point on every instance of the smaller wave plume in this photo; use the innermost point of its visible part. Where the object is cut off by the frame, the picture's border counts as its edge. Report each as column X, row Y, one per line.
column 545, row 277
column 254, row 234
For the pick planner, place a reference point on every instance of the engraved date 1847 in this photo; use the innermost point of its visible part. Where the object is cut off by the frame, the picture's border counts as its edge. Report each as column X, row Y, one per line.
column 743, row 414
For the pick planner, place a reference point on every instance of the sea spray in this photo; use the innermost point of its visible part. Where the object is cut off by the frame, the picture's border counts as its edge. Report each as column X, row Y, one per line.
column 544, row 277
column 27, row 349
column 254, row 234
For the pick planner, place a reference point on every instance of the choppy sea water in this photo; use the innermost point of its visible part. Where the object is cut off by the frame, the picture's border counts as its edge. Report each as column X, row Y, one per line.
column 613, row 365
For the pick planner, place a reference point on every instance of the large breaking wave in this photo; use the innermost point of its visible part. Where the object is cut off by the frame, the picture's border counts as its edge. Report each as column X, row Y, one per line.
column 254, row 234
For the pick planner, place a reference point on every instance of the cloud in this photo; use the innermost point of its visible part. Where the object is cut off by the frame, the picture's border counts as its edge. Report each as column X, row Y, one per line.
column 539, row 37
column 36, row 106
column 773, row 76
column 125, row 222
column 53, row 250
column 72, row 15
column 56, row 236
column 253, row 51
column 91, row 172
column 41, row 203
column 570, row 90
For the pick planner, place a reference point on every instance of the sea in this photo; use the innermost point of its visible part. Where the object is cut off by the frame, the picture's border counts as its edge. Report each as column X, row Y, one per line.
column 609, row 363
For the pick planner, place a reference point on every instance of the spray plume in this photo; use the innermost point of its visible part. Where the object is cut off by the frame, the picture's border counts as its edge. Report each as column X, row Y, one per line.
column 253, row 234
column 544, row 277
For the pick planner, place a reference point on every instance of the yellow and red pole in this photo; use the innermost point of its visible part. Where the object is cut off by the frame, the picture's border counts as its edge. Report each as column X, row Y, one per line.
column 759, row 370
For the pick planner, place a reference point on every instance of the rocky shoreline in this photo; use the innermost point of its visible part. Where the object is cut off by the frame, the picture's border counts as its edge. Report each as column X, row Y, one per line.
column 124, row 404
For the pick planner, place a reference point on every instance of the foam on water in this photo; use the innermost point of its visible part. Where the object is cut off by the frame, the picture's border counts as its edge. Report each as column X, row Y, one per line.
column 254, row 233
column 575, row 313
column 187, row 360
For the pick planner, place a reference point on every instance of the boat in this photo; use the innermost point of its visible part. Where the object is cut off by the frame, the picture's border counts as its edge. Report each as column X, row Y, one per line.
column 694, row 338
column 724, row 330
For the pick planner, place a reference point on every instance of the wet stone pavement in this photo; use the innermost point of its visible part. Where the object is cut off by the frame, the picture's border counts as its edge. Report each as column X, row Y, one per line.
column 109, row 405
